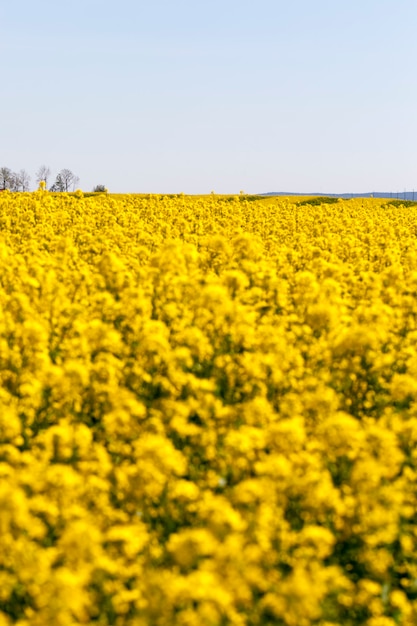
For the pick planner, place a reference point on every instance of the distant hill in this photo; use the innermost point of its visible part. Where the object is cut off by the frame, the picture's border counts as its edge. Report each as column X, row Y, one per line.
column 404, row 195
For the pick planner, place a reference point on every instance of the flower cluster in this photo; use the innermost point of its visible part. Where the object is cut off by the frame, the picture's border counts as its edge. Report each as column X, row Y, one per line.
column 208, row 411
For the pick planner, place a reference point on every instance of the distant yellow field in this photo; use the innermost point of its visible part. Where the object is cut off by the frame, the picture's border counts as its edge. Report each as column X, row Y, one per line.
column 207, row 411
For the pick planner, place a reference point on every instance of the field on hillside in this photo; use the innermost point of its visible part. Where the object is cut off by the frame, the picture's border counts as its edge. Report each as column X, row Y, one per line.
column 208, row 411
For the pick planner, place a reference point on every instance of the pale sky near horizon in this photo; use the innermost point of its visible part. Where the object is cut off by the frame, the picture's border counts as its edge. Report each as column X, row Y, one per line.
column 227, row 95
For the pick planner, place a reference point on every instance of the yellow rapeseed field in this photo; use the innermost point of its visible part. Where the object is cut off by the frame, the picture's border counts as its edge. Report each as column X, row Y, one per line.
column 208, row 411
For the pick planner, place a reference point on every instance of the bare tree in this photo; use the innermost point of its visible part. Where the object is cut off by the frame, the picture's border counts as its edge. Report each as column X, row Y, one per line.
column 24, row 180
column 75, row 182
column 65, row 181
column 6, row 178
column 14, row 182
column 43, row 173
column 21, row 181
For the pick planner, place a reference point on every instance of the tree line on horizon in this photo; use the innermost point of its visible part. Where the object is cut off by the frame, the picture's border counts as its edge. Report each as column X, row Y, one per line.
column 64, row 181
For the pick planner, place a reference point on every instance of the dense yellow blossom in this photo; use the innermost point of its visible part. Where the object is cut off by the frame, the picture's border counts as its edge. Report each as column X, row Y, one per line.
column 208, row 411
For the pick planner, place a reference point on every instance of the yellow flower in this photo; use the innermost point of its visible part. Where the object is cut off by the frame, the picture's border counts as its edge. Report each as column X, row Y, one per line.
column 207, row 410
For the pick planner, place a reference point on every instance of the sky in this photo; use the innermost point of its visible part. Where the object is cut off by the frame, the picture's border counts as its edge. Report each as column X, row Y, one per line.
column 192, row 96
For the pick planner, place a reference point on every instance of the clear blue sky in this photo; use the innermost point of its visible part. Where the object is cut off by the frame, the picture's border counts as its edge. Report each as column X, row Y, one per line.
column 225, row 95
